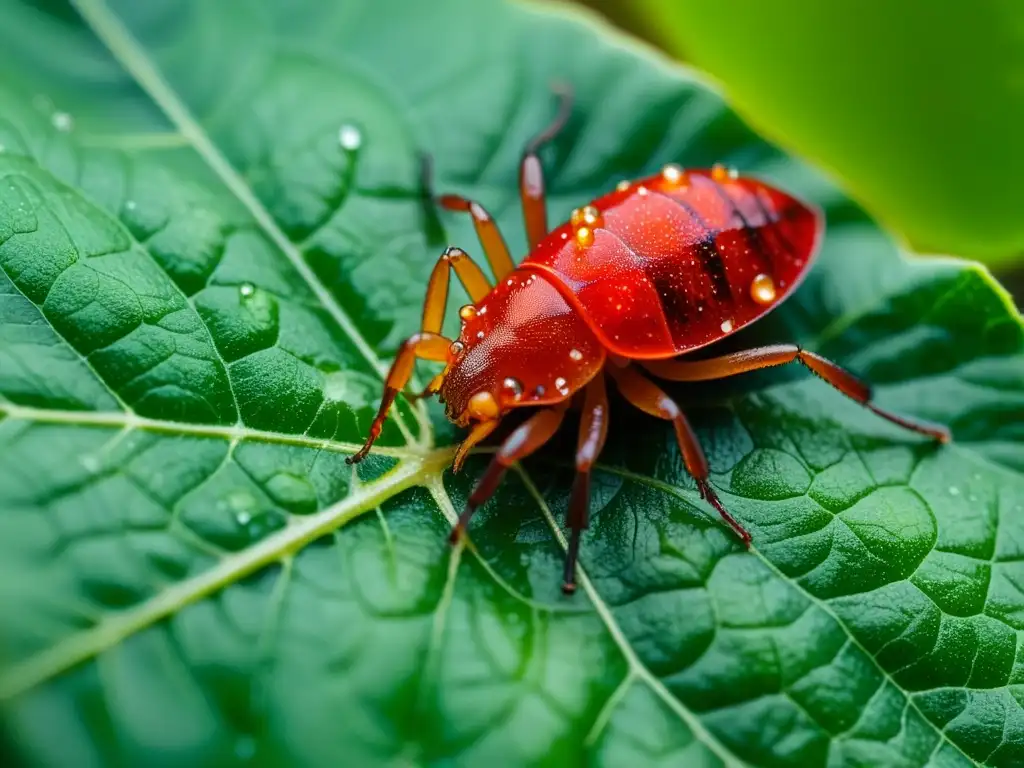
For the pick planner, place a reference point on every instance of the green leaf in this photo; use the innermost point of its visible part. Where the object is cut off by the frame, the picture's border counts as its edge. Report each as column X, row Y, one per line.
column 199, row 288
column 915, row 105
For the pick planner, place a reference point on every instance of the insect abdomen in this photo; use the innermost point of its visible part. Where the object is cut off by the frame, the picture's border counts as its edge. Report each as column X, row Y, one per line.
column 673, row 262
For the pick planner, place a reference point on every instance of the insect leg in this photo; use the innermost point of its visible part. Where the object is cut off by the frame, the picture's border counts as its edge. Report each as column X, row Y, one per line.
column 531, row 173
column 487, row 230
column 593, row 430
column 472, row 277
column 527, row 438
column 425, row 345
column 648, row 397
column 779, row 354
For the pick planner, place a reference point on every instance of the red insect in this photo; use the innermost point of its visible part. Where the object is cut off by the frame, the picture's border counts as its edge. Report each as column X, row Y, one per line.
column 655, row 269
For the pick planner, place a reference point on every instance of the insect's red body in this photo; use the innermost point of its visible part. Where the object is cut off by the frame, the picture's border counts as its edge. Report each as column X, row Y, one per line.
column 670, row 264
column 657, row 268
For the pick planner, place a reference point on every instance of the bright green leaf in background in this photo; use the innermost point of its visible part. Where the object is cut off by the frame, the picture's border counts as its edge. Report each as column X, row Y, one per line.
column 202, row 274
column 917, row 105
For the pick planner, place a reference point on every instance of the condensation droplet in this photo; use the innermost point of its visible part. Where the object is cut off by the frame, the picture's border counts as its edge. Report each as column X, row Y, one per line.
column 623, row 185
column 561, row 386
column 247, row 289
column 727, row 325
column 479, row 334
column 762, row 289
column 585, row 236
column 514, row 386
column 642, row 191
column 62, row 121
column 720, row 173
column 672, row 173
column 575, row 354
column 468, row 312
column 456, row 348
column 954, row 491
column 350, row 138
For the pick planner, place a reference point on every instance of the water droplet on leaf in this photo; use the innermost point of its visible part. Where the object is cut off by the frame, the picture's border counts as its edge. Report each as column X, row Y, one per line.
column 62, row 121
column 350, row 138
column 247, row 290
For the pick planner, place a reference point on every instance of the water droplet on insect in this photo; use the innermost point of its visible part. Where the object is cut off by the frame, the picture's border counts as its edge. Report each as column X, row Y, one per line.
column 560, row 385
column 672, row 173
column 90, row 463
column 642, row 191
column 584, row 236
column 762, row 289
column 727, row 325
column 350, row 138
column 954, row 491
column 720, row 173
column 456, row 348
column 247, row 289
column 62, row 121
column 623, row 185
column 514, row 386
column 575, row 354
column 479, row 334
column 539, row 390
column 468, row 312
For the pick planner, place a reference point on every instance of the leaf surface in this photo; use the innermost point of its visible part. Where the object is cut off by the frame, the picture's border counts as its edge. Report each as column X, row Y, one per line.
column 201, row 279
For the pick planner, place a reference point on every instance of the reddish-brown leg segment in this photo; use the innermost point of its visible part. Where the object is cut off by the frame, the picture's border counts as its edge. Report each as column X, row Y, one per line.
column 593, row 430
column 425, row 345
column 487, row 231
column 527, row 438
column 780, row 354
column 531, row 173
column 648, row 397
column 428, row 344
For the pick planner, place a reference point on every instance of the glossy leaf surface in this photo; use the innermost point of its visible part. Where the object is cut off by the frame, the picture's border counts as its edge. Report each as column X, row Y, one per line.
column 213, row 236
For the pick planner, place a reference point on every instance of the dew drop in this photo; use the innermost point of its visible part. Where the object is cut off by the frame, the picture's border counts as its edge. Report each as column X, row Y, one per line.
column 468, row 312
column 90, row 463
column 243, row 517
column 672, row 173
column 954, row 491
column 623, row 185
column 62, row 121
column 247, row 290
column 350, row 138
column 642, row 191
column 562, row 386
column 514, row 386
column 130, row 205
column 727, row 325
column 762, row 289
column 585, row 236
column 479, row 334
column 456, row 349
column 565, row 235
column 539, row 390
column 575, row 354
column 720, row 173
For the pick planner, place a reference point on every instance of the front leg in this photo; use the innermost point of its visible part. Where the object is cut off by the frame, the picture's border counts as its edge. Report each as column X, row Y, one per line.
column 424, row 345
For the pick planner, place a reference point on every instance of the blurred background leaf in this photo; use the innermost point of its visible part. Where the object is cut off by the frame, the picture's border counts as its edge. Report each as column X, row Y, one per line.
column 915, row 106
